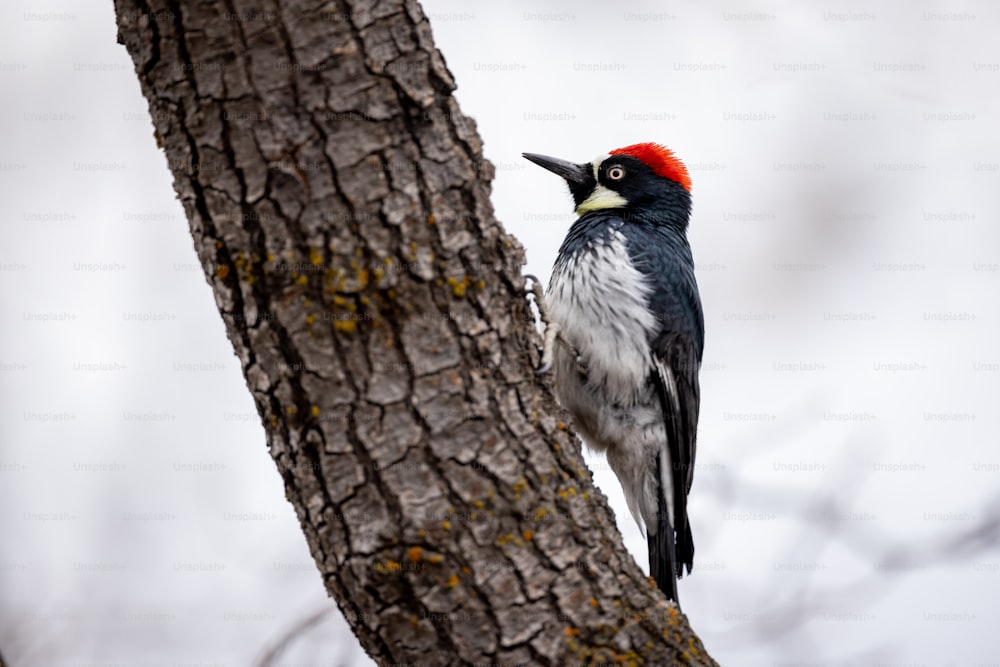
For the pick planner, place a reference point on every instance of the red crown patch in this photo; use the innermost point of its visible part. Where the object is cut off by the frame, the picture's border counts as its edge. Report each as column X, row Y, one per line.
column 660, row 159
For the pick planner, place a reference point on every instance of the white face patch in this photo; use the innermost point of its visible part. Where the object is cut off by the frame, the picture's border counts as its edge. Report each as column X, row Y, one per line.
column 602, row 197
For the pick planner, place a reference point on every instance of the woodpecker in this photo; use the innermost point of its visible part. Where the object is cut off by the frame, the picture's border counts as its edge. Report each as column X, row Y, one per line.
column 624, row 336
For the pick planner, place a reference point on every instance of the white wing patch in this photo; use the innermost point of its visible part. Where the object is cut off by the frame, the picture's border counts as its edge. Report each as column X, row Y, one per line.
column 666, row 464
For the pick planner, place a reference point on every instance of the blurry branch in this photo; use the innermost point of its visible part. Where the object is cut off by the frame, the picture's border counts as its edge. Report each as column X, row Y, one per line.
column 826, row 518
column 270, row 656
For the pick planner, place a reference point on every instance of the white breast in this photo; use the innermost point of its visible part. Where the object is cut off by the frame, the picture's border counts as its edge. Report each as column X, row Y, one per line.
column 599, row 300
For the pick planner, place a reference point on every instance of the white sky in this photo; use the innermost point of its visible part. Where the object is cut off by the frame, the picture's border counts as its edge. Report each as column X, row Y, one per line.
column 846, row 164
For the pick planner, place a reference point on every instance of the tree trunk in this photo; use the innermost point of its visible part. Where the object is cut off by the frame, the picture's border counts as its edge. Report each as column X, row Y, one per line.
column 339, row 204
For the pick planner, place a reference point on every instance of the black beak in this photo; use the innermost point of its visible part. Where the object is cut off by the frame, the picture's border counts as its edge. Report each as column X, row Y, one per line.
column 575, row 174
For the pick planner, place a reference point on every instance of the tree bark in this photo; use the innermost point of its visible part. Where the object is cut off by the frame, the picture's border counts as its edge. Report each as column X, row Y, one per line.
column 339, row 204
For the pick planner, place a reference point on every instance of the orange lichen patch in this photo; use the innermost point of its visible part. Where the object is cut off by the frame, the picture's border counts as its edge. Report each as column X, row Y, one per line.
column 222, row 270
column 528, row 535
column 672, row 611
column 414, row 554
column 571, row 632
column 431, row 220
column 593, row 602
column 561, row 426
column 453, row 581
column 466, row 570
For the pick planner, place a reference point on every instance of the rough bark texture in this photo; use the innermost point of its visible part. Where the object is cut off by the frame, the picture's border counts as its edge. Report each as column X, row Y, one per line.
column 339, row 204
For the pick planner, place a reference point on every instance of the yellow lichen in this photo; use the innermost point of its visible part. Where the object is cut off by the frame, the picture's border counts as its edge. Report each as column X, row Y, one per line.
column 414, row 554
column 459, row 286
column 315, row 411
column 345, row 326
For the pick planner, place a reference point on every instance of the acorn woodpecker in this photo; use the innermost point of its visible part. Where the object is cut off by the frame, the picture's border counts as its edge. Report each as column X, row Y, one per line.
column 624, row 335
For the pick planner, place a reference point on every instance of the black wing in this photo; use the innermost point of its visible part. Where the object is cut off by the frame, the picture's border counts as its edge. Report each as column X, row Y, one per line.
column 676, row 351
column 677, row 389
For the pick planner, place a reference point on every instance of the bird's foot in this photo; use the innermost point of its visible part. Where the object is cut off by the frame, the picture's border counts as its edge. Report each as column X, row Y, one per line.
column 551, row 329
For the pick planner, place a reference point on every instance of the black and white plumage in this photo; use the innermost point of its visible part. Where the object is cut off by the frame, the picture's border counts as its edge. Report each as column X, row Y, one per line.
column 626, row 331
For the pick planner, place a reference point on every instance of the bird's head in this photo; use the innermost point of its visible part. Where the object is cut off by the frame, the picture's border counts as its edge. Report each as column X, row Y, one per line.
column 647, row 180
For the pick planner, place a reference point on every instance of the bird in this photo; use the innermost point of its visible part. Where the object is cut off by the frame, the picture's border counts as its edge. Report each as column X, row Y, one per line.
column 624, row 334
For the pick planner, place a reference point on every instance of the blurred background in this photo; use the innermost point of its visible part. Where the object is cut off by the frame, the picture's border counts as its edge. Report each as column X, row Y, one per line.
column 846, row 164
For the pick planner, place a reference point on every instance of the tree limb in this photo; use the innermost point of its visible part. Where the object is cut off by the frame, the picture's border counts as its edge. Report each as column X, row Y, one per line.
column 339, row 204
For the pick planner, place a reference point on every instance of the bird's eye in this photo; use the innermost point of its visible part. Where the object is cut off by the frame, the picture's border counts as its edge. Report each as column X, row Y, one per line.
column 616, row 173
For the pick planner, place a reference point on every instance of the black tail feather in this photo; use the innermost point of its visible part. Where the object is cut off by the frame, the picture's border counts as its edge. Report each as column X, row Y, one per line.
column 685, row 549
column 663, row 565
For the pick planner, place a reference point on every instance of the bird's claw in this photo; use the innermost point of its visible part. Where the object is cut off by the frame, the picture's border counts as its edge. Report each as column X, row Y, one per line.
column 551, row 328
